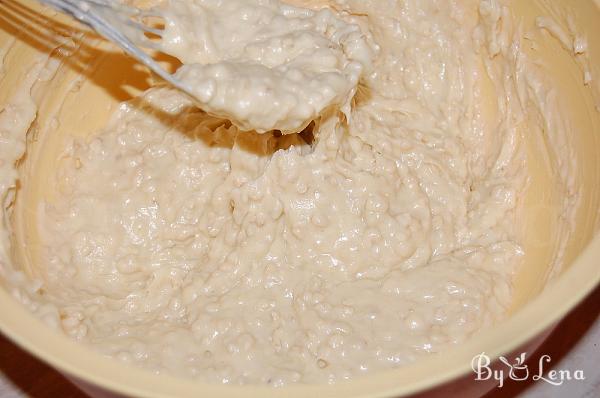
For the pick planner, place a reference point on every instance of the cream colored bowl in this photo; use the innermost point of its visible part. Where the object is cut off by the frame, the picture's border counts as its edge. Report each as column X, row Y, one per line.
column 87, row 86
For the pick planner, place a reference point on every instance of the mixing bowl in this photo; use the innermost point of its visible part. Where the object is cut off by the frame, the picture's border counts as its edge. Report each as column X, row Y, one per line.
column 86, row 78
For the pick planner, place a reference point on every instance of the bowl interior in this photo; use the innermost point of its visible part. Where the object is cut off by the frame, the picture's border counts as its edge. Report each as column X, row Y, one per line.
column 79, row 93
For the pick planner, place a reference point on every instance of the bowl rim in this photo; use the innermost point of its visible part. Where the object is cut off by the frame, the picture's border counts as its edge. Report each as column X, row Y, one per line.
column 79, row 361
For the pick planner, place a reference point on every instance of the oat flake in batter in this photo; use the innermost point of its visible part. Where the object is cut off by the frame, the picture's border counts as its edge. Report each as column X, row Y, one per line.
column 180, row 244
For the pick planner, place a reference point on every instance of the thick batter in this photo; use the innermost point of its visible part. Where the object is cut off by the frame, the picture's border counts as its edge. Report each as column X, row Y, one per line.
column 383, row 232
column 263, row 64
